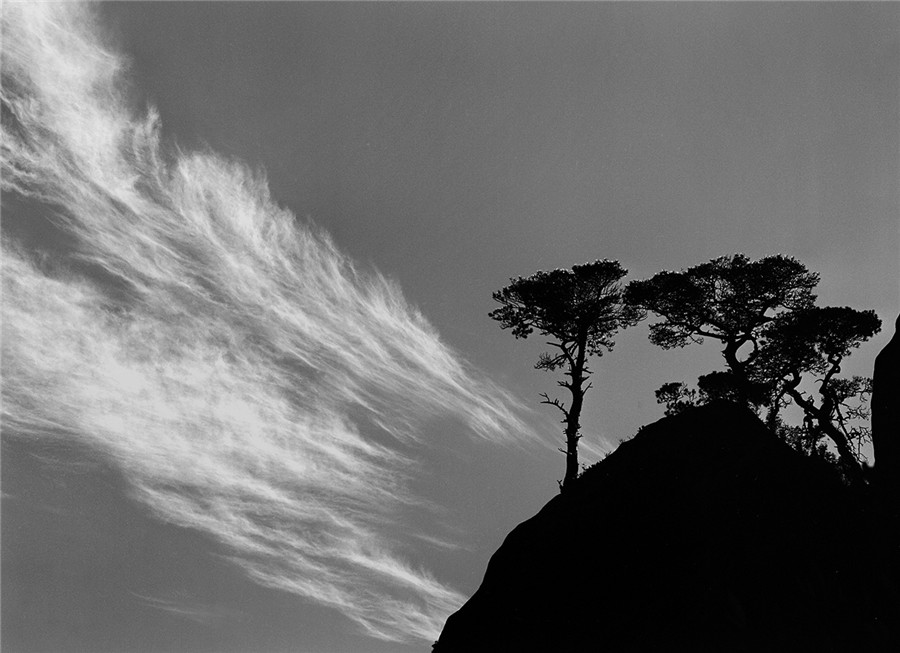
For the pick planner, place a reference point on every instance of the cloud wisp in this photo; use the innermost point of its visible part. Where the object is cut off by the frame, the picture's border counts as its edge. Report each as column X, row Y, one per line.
column 245, row 376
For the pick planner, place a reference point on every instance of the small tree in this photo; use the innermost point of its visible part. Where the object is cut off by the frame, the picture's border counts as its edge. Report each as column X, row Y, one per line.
column 580, row 310
column 678, row 397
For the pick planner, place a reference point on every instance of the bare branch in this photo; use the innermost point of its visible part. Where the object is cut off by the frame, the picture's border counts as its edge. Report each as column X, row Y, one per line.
column 554, row 402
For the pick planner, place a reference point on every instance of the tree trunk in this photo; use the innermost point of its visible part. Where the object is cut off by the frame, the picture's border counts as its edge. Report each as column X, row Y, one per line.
column 848, row 461
column 730, row 354
column 572, row 428
column 573, row 425
column 738, row 368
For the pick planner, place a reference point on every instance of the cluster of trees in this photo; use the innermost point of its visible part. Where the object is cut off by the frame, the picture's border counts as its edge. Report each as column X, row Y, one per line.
column 780, row 349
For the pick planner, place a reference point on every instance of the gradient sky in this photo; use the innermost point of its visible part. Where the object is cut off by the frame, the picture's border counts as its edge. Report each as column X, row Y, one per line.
column 450, row 147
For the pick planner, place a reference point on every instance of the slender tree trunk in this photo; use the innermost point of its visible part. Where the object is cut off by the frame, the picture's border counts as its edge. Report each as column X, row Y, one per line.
column 730, row 354
column 772, row 416
column 775, row 407
column 848, row 460
column 573, row 425
column 737, row 368
column 572, row 436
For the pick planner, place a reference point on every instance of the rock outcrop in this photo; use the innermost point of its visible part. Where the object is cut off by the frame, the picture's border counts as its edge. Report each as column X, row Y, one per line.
column 704, row 533
column 886, row 422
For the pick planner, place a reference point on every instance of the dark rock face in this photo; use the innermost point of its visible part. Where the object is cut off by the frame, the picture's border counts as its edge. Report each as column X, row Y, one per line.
column 886, row 421
column 704, row 532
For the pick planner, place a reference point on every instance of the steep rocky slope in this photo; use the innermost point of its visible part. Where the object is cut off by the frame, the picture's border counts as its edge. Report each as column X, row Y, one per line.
column 703, row 532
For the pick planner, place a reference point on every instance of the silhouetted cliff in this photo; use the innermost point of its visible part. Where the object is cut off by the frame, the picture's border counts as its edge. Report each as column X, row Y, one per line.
column 703, row 532
column 886, row 422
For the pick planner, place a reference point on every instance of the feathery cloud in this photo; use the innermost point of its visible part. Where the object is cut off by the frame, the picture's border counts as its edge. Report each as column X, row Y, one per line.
column 247, row 378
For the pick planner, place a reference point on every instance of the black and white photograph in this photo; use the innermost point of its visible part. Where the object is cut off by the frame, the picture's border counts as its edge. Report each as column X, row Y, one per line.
column 398, row 327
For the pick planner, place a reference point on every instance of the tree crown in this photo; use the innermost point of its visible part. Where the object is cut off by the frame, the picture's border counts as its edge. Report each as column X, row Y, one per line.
column 728, row 298
column 583, row 305
column 814, row 339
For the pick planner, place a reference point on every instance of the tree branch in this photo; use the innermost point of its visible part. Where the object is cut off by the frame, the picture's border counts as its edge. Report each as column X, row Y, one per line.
column 554, row 402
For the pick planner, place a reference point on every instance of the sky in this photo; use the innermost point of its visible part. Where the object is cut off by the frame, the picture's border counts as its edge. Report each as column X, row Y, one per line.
column 252, row 397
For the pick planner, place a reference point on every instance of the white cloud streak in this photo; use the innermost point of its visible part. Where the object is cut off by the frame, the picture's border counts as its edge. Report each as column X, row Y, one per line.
column 250, row 382
column 189, row 609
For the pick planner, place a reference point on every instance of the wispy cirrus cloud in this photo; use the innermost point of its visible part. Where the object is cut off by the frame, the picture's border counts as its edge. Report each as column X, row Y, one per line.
column 247, row 378
column 188, row 609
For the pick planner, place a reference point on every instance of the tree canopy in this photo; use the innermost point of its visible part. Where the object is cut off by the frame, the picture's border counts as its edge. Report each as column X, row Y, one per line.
column 730, row 299
column 815, row 341
column 773, row 336
column 579, row 310
column 580, row 304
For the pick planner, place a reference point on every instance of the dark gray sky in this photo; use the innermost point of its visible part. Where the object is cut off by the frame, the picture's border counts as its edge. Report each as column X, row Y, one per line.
column 452, row 146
